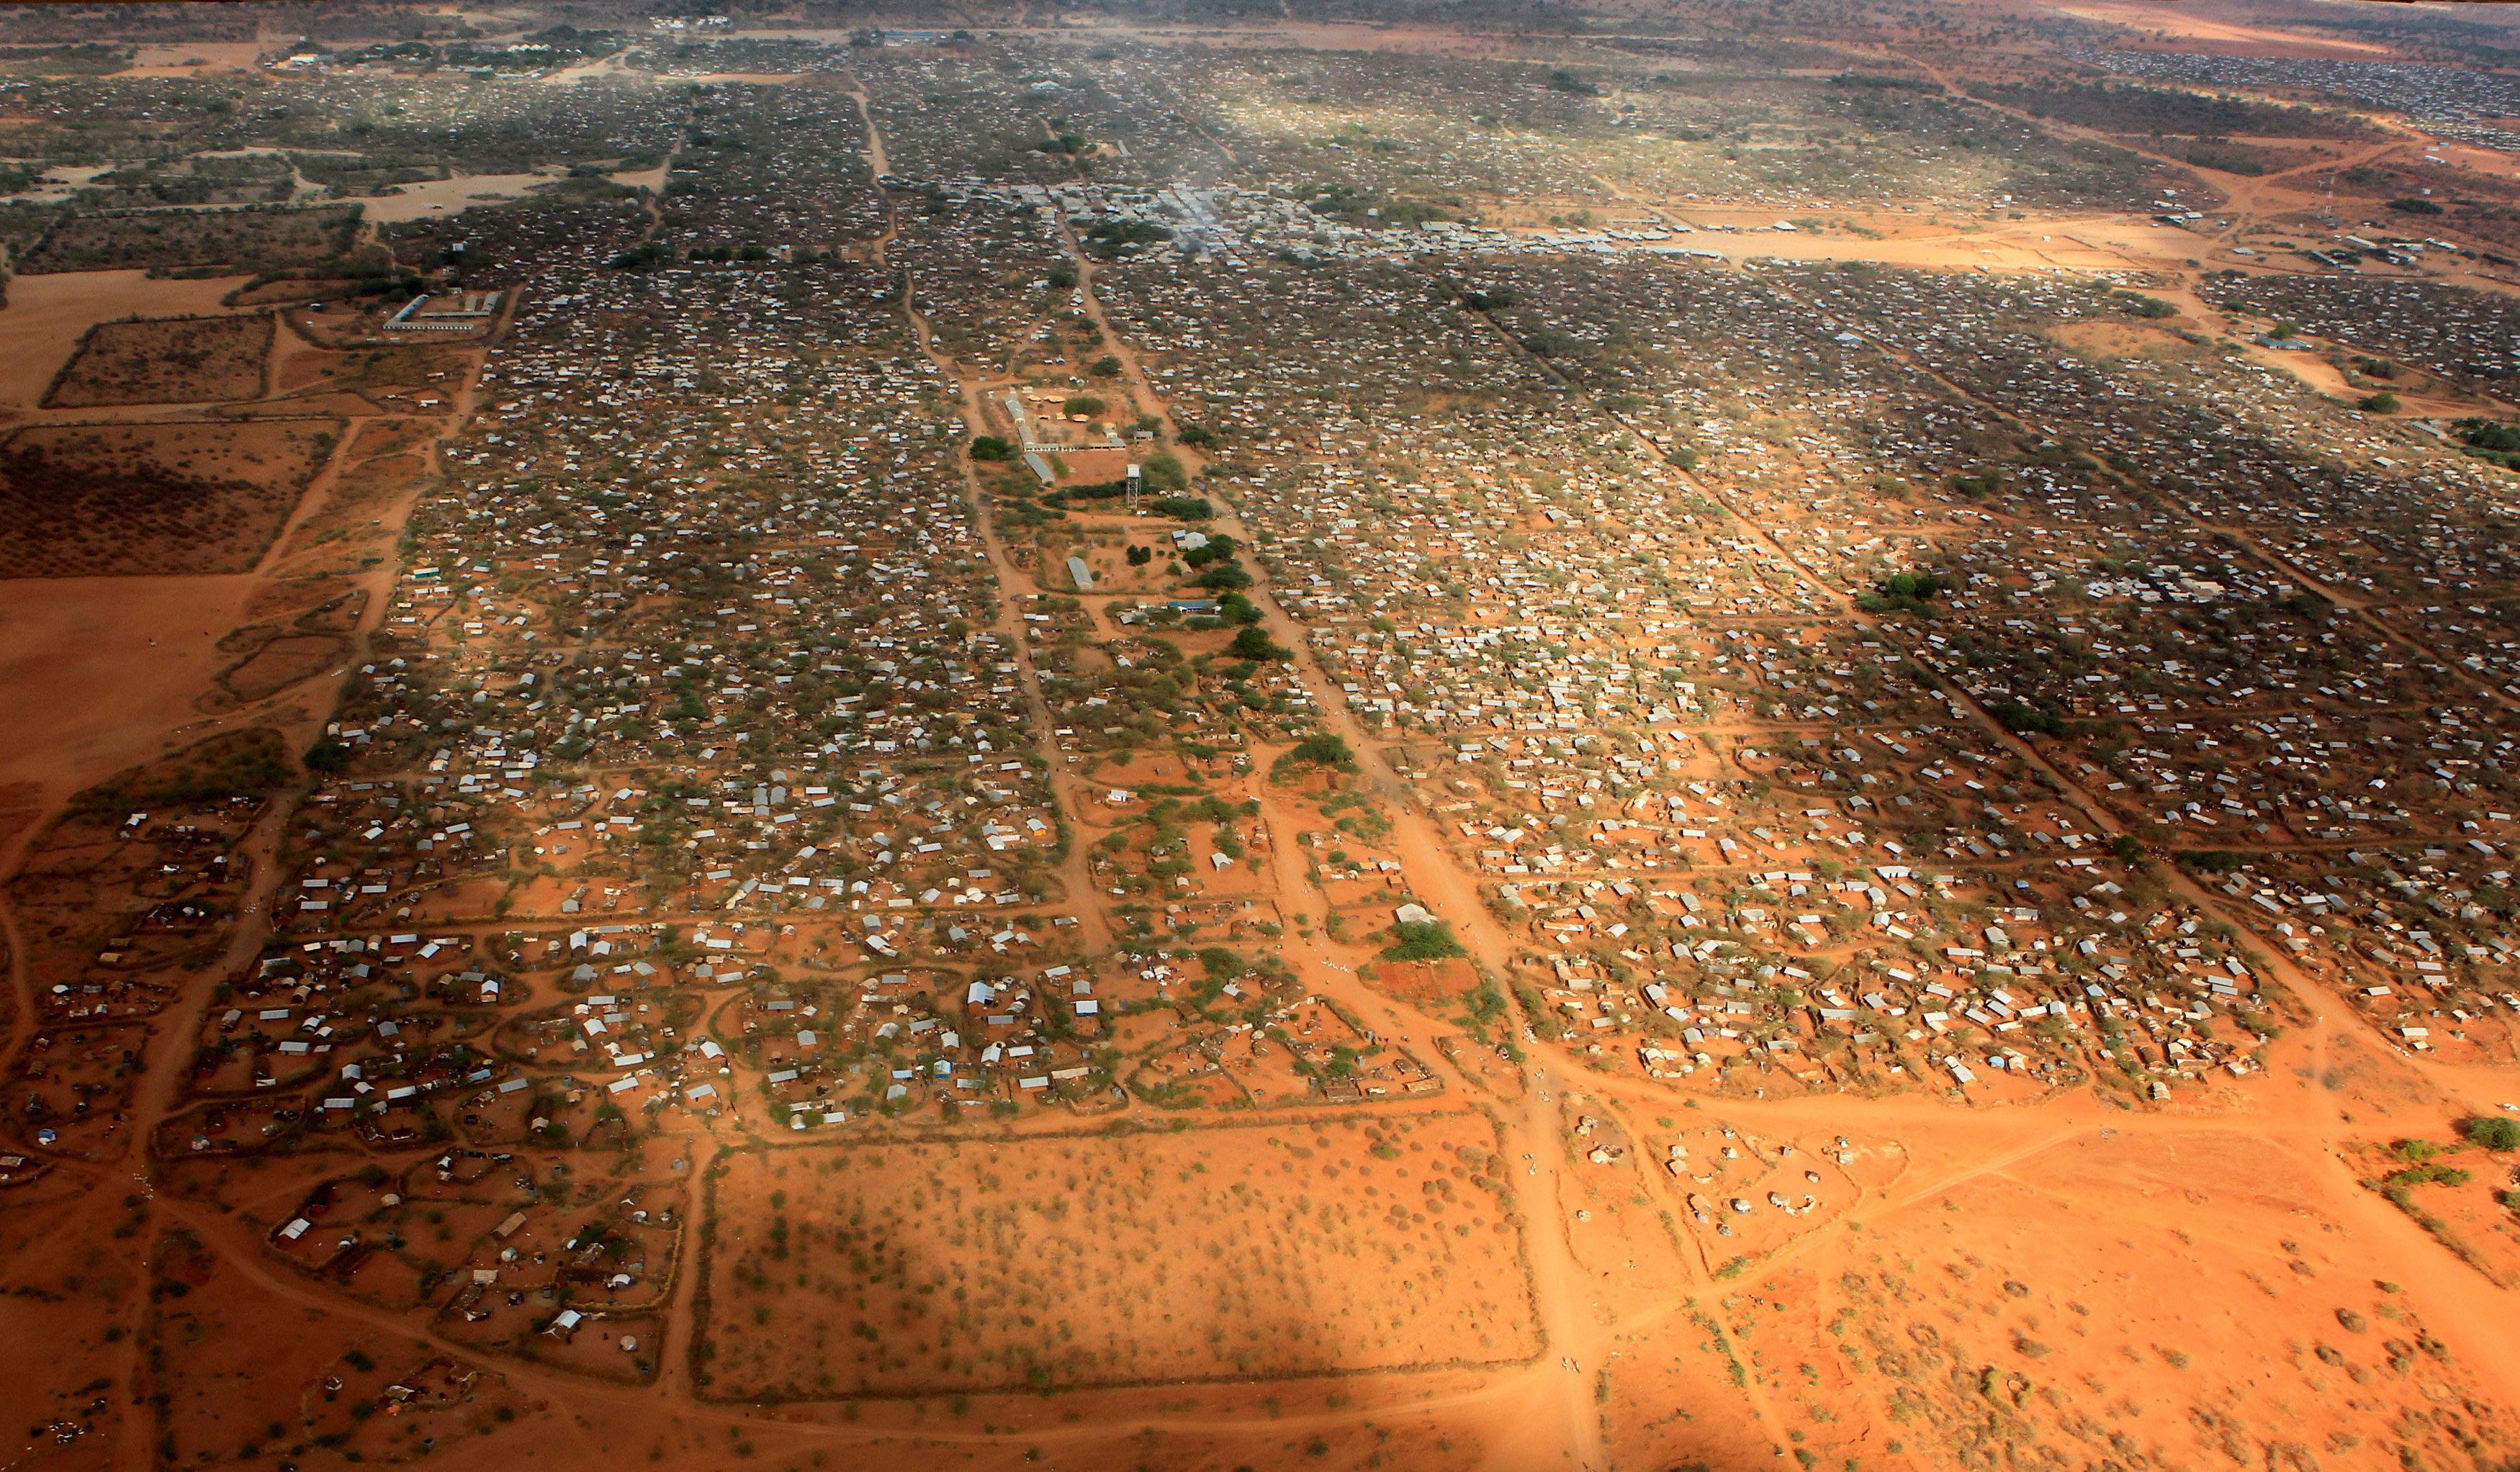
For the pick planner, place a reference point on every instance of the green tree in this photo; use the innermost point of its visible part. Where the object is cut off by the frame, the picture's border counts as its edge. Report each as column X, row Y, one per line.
column 1250, row 641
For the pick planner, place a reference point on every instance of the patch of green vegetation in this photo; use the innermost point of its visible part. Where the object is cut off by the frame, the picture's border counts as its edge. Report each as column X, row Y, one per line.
column 233, row 764
column 2027, row 719
column 1367, row 210
column 1165, row 473
column 2491, row 439
column 2491, row 1131
column 1121, row 237
column 1903, row 593
column 1253, row 643
column 643, row 259
column 1430, row 940
column 1326, row 751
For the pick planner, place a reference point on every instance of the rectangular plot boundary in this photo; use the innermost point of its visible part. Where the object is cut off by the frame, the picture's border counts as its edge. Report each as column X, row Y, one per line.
column 704, row 1306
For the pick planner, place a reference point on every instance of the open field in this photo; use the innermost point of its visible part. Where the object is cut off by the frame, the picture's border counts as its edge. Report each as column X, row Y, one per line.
column 921, row 1270
column 2225, row 1309
column 424, row 197
column 48, row 317
column 182, row 359
column 118, row 661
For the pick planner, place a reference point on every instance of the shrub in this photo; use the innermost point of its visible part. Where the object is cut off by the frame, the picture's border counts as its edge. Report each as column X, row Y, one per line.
column 2492, row 1133
column 2427, row 1173
column 992, row 447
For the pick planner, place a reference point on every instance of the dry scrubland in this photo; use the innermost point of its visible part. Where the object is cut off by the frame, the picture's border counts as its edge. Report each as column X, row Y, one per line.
column 2178, row 1299
column 246, row 238
column 180, row 359
column 150, row 500
column 1249, row 1252
column 2176, row 1302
